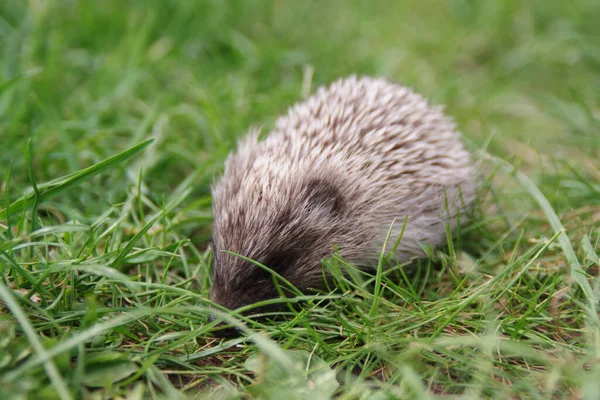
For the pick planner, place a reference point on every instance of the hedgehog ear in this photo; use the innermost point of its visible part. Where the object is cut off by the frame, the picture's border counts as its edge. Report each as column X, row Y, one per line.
column 323, row 196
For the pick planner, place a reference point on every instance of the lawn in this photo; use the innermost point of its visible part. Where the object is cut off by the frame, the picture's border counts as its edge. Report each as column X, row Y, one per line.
column 115, row 117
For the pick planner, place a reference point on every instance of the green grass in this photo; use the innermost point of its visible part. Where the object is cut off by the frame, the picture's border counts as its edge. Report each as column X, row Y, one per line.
column 105, row 237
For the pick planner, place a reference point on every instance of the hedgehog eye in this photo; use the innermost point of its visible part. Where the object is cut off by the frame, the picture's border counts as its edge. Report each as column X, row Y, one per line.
column 323, row 195
column 281, row 260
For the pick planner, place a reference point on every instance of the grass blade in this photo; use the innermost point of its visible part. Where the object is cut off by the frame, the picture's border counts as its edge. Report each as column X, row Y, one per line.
column 57, row 186
column 576, row 271
column 53, row 373
column 72, row 342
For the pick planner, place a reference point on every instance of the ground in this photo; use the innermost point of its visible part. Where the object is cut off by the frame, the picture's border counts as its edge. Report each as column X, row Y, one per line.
column 105, row 236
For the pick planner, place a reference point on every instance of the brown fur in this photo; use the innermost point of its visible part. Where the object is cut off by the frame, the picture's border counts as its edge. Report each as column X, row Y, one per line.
column 335, row 172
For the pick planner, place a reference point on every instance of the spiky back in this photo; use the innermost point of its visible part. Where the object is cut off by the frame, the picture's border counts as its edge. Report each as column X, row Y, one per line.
column 381, row 131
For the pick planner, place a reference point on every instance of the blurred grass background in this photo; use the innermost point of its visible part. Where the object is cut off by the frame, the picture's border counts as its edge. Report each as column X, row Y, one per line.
column 85, row 80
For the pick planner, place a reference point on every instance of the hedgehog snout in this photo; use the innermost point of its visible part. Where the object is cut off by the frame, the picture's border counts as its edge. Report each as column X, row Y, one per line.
column 223, row 330
column 233, row 300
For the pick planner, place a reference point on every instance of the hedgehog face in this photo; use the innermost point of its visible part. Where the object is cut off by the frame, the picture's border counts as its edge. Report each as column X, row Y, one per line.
column 290, row 232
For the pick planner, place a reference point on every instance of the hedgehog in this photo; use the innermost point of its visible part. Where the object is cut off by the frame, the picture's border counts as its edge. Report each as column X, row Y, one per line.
column 357, row 161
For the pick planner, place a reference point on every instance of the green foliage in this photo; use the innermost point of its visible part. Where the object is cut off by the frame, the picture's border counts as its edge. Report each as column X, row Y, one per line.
column 308, row 377
column 116, row 116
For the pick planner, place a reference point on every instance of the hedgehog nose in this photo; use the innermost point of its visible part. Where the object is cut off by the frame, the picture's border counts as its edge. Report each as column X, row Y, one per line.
column 222, row 330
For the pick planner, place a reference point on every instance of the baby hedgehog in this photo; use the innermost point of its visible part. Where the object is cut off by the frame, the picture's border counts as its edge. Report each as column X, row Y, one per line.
column 336, row 172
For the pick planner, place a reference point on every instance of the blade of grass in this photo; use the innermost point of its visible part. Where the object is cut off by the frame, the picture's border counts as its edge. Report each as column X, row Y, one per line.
column 125, row 252
column 7, row 199
column 36, row 192
column 72, row 342
column 55, row 187
column 377, row 293
column 53, row 373
column 576, row 271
